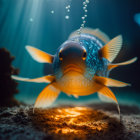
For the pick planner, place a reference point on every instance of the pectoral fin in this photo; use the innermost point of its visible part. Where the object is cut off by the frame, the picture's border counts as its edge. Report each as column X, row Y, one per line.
column 47, row 96
column 45, row 79
column 110, row 82
column 112, row 66
column 105, row 91
column 104, row 98
column 104, row 82
column 111, row 49
column 39, row 55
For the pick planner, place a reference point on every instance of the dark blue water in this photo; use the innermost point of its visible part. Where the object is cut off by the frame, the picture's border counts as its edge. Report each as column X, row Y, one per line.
column 31, row 22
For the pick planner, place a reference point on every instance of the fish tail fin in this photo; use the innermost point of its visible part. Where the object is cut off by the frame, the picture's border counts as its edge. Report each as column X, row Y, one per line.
column 112, row 66
column 46, row 97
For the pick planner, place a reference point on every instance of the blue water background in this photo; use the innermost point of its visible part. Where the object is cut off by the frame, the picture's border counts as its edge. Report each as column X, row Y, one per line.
column 30, row 22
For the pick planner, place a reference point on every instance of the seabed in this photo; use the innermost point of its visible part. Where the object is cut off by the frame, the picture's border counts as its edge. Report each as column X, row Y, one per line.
column 95, row 121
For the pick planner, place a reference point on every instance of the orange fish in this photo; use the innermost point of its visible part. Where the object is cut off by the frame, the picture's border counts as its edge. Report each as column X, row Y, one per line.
column 81, row 67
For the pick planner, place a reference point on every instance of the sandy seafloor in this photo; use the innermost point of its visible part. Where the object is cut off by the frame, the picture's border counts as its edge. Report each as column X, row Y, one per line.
column 96, row 121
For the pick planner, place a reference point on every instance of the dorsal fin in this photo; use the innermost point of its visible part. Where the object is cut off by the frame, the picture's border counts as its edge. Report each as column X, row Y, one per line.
column 95, row 32
column 111, row 49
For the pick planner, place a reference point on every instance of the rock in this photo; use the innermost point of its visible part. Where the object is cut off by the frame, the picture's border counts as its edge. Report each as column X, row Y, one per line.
column 7, row 84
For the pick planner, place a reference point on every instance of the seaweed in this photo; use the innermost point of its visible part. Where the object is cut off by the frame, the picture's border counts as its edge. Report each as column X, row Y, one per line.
column 8, row 87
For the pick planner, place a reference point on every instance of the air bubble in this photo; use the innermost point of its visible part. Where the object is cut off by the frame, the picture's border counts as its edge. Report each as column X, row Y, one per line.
column 82, row 25
column 67, row 17
column 85, row 4
column 84, row 8
column 68, row 10
column 31, row 19
column 83, row 17
column 52, row 12
column 87, row 1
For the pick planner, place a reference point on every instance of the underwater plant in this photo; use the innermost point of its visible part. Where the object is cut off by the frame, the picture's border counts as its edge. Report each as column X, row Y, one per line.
column 8, row 87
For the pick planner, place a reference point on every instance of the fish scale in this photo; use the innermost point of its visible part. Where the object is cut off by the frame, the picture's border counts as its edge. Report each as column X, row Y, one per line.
column 96, row 65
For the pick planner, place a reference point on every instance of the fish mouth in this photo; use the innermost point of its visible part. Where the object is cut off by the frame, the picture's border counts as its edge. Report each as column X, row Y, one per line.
column 72, row 67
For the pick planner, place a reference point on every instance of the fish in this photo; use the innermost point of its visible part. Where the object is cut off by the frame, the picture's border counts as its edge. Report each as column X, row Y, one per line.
column 81, row 67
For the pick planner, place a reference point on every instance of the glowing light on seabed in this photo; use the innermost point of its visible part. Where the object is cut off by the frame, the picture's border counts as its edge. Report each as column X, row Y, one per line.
column 70, row 112
column 75, row 122
column 75, row 118
column 66, row 130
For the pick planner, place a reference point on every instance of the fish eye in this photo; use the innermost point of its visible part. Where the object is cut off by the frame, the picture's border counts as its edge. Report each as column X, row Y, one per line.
column 84, row 55
column 60, row 56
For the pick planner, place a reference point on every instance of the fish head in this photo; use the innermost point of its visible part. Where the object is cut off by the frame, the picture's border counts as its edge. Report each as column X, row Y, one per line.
column 70, row 59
